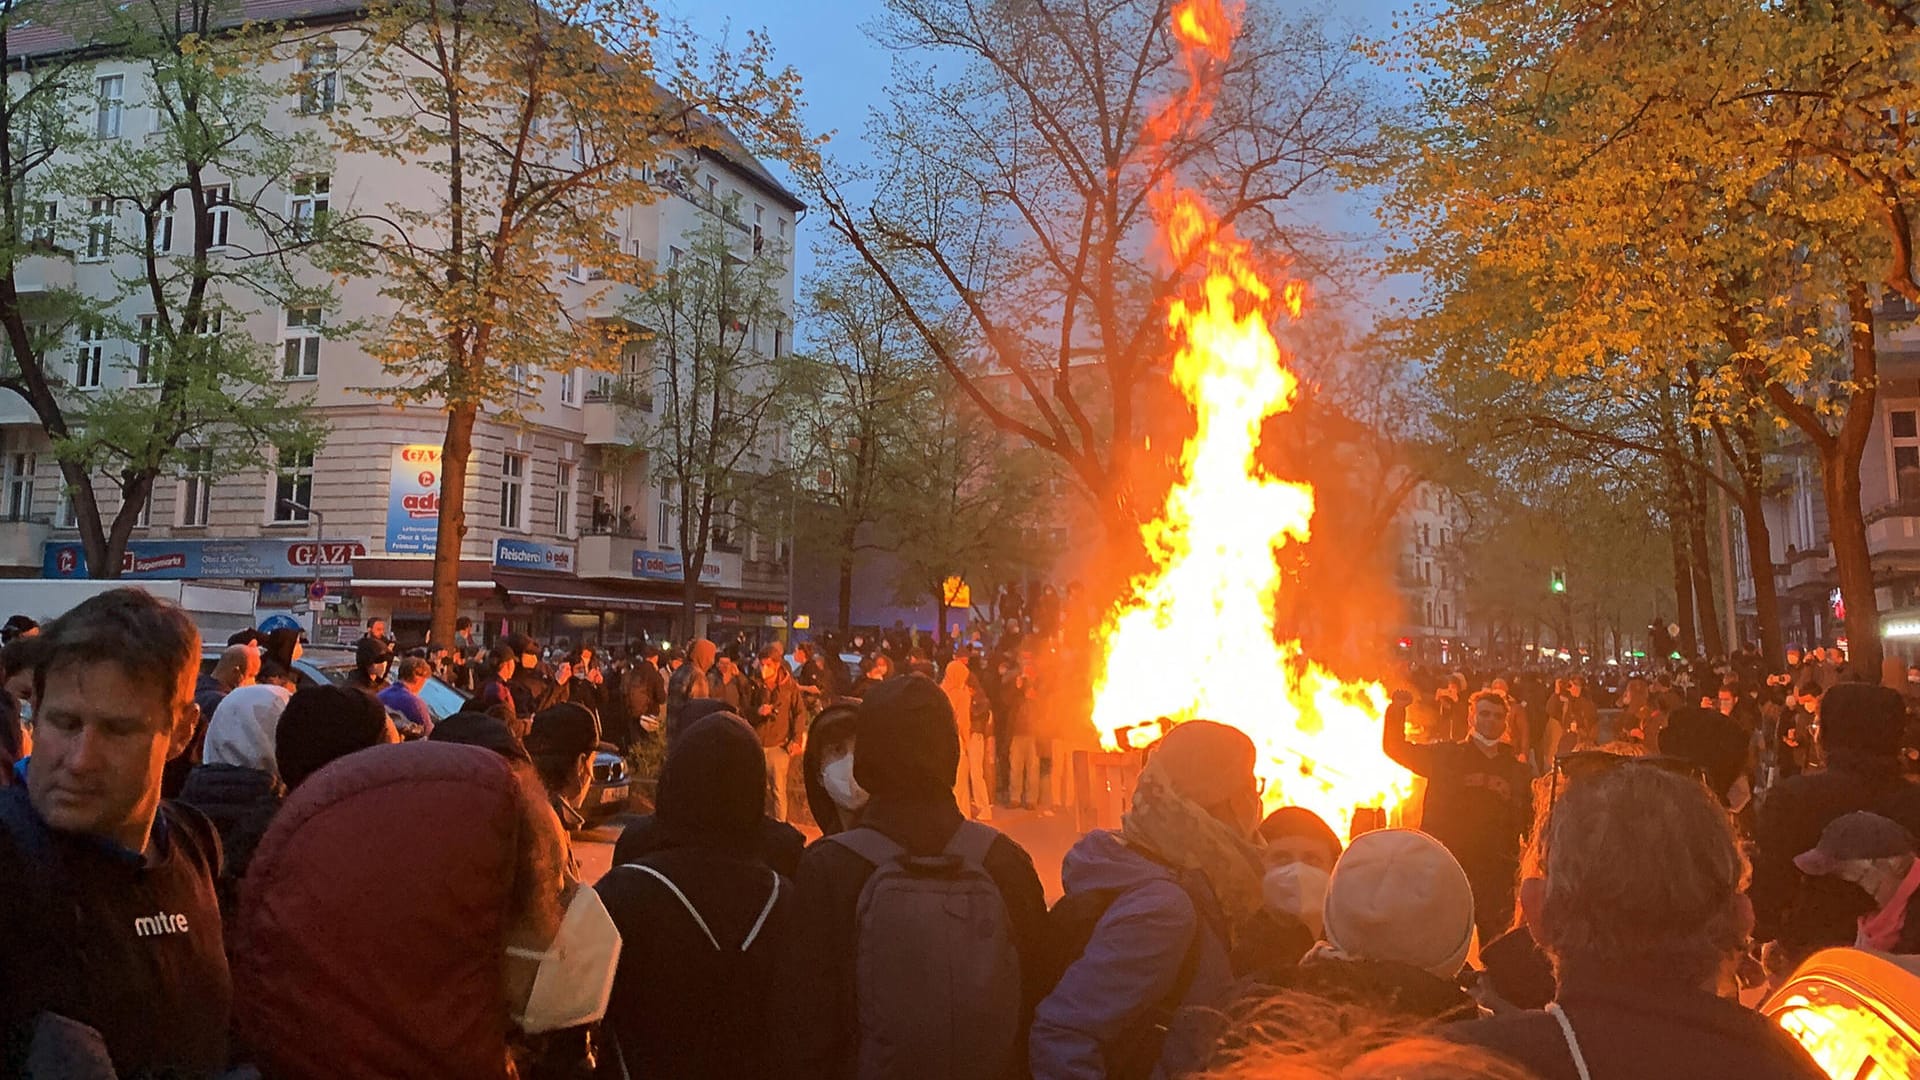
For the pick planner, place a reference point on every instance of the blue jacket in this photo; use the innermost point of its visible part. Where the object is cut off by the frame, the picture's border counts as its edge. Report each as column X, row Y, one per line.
column 1132, row 962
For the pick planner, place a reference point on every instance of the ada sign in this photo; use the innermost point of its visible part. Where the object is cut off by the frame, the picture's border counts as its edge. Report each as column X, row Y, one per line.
column 668, row 566
column 511, row 554
column 413, row 500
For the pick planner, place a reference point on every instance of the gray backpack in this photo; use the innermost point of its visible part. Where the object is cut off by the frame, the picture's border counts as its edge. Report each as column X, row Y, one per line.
column 936, row 977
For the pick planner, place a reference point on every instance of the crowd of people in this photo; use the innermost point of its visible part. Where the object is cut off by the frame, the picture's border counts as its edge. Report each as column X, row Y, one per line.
column 325, row 896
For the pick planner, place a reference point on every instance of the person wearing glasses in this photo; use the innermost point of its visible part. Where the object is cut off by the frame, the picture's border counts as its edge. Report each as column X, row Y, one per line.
column 1478, row 801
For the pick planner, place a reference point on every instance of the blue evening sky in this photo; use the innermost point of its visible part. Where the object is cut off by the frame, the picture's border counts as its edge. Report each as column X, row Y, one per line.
column 843, row 72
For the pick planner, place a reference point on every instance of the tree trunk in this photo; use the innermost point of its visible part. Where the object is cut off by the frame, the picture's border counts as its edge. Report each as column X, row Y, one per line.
column 689, row 598
column 1840, row 481
column 845, row 597
column 451, row 532
column 1689, row 642
column 1702, row 563
column 1766, row 598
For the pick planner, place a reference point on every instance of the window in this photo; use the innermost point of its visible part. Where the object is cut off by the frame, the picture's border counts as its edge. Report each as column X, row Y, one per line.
column 576, row 270
column 599, row 272
column 308, row 210
column 1446, row 615
column 196, row 486
column 219, row 215
column 293, row 485
column 160, row 226
column 319, row 79
column 300, row 352
column 513, row 474
column 143, row 371
column 209, row 323
column 1429, row 621
column 570, row 387
column 41, row 218
column 783, row 229
column 19, row 486
column 665, row 514
column 521, row 378
column 779, row 342
column 759, row 239
column 64, row 515
column 563, row 500
column 91, row 358
column 1901, row 424
column 580, row 146
column 110, row 92
column 99, row 228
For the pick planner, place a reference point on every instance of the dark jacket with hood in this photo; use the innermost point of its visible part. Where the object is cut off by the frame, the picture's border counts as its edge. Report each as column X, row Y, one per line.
column 241, row 803
column 1861, row 727
column 364, row 949
column 1637, row 1029
column 1478, row 805
column 778, row 844
column 831, row 728
column 906, row 751
column 715, row 1013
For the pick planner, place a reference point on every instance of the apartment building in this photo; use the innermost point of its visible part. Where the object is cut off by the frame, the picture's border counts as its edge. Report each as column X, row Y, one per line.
column 1433, row 617
column 569, row 534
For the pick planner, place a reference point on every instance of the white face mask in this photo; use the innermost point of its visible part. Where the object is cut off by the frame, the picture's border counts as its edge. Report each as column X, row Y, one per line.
column 1483, row 742
column 1296, row 889
column 576, row 971
column 837, row 777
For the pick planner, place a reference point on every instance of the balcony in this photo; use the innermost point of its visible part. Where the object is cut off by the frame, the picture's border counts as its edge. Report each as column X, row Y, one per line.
column 1810, row 570
column 23, row 542
column 616, row 409
column 606, row 555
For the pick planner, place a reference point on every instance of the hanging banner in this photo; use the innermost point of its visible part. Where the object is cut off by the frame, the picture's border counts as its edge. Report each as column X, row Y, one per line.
column 413, row 500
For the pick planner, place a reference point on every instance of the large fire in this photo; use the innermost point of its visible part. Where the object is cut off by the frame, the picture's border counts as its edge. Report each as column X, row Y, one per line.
column 1195, row 637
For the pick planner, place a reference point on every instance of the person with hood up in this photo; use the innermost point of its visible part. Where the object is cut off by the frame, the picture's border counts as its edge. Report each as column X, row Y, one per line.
column 535, row 685
column 1877, row 855
column 709, row 910
column 833, row 795
column 693, row 680
column 238, row 783
column 874, row 670
column 906, row 748
column 1478, row 802
column 779, row 844
column 1168, row 886
column 1860, row 731
column 371, row 659
column 415, row 955
column 321, row 724
column 496, row 689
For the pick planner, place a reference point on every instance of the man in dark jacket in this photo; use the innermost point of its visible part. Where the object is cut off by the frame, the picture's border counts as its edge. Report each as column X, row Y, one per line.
column 535, row 685
column 906, row 751
column 643, row 691
column 1478, row 801
column 1640, row 910
column 779, row 716
column 692, row 680
column 1860, row 731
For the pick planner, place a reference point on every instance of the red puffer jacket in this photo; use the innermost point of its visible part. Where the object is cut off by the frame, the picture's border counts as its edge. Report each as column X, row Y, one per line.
column 369, row 941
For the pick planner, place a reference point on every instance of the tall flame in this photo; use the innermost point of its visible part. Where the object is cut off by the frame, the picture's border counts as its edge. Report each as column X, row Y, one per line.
column 1195, row 639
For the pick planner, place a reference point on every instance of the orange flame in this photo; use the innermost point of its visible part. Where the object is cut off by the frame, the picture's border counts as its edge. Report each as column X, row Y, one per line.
column 1196, row 638
column 1847, row 1042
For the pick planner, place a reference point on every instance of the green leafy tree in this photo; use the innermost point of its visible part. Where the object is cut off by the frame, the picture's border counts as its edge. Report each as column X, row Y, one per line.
column 529, row 125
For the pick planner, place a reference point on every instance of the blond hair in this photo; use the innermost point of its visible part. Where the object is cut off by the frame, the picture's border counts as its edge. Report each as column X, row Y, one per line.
column 1295, row 1036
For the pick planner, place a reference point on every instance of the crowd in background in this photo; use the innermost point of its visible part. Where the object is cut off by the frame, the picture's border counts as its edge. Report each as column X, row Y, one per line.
column 1576, row 905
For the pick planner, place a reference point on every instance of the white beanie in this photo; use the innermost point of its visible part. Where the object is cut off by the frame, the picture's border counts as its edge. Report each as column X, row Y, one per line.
column 1398, row 896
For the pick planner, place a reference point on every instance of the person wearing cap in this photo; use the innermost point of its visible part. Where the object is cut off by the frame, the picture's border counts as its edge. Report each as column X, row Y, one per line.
column 1877, row 855
column 1860, row 732
column 1172, row 882
column 906, row 749
column 1297, row 854
column 536, row 685
column 1638, row 904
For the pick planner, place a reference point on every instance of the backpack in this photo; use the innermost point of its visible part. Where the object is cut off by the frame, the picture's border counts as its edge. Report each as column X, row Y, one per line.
column 936, row 977
column 1071, row 924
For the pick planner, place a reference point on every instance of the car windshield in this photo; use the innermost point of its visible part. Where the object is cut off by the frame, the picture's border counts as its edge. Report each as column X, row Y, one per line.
column 442, row 700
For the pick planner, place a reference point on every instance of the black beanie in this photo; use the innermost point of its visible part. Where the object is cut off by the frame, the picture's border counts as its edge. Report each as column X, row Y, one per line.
column 321, row 723
column 905, row 740
column 1864, row 717
column 713, row 787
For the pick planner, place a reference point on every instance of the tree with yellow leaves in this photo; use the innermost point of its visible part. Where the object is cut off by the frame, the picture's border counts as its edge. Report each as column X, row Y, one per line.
column 1642, row 194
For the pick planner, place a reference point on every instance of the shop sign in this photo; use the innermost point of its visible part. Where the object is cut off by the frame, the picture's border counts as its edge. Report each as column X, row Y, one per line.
column 250, row 560
column 282, row 594
column 413, row 500
column 511, row 554
column 749, row 605
column 668, row 566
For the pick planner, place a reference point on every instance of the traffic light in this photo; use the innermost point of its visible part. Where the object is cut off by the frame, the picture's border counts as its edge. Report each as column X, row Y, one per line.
column 1558, row 584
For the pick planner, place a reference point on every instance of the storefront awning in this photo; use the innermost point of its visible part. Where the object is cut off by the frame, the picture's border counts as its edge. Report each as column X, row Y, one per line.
column 389, row 577
column 567, row 592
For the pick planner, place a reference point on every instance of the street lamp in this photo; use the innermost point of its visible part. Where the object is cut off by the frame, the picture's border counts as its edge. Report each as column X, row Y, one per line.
column 320, row 546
